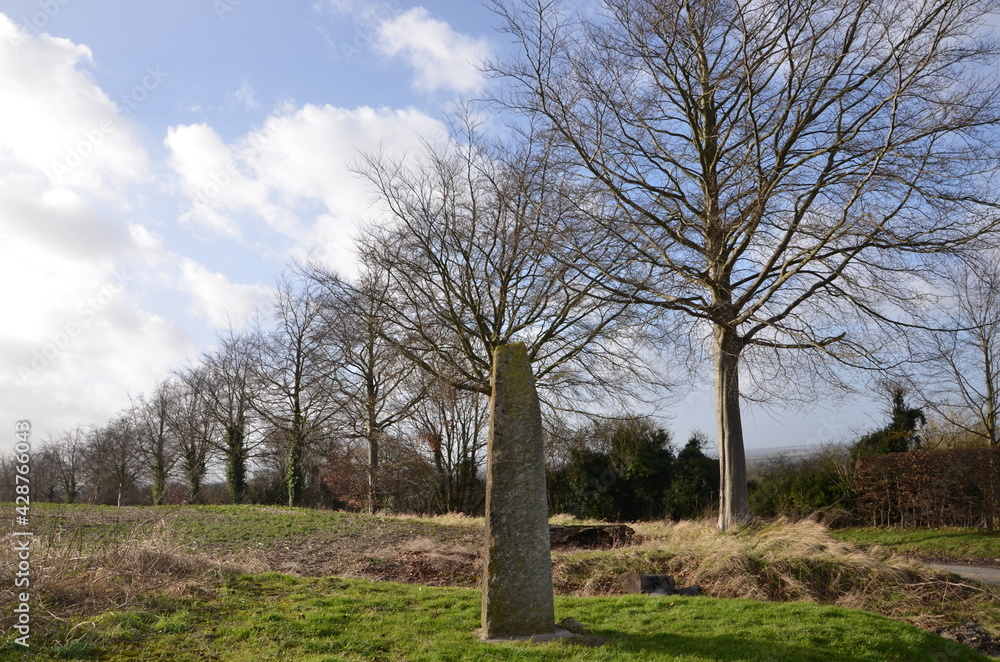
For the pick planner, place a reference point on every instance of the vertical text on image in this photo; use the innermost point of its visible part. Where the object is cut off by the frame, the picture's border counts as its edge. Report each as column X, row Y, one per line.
column 21, row 532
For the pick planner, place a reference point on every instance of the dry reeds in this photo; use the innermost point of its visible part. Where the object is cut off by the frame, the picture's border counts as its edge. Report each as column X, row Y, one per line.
column 75, row 573
column 778, row 561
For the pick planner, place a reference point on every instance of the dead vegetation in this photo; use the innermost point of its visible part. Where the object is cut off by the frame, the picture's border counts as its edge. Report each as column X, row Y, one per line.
column 75, row 574
column 791, row 561
column 424, row 561
column 79, row 570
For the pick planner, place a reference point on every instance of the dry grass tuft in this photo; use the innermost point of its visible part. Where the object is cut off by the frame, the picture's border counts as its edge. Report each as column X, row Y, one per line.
column 790, row 561
column 778, row 561
column 73, row 575
column 448, row 519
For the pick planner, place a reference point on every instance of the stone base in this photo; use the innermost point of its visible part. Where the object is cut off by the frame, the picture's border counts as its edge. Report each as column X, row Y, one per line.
column 536, row 638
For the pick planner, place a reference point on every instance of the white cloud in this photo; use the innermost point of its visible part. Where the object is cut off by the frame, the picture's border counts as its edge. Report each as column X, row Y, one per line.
column 90, row 278
column 442, row 58
column 218, row 300
column 309, row 153
column 280, row 171
column 56, row 123
column 72, row 335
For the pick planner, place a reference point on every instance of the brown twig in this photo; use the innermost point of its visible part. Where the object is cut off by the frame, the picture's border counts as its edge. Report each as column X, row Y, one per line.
column 959, row 585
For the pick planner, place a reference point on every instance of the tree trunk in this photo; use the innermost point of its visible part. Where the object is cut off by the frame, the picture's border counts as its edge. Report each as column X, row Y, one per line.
column 159, row 485
column 294, row 479
column 373, row 498
column 194, row 487
column 235, row 463
column 991, row 434
column 734, row 503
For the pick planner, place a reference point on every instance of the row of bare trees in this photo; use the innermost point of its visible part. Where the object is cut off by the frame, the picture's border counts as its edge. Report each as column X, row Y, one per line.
column 396, row 361
column 298, row 411
column 775, row 190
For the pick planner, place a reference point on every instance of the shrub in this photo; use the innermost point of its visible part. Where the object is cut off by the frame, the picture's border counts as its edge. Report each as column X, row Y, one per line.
column 619, row 471
column 695, row 485
column 797, row 488
column 952, row 487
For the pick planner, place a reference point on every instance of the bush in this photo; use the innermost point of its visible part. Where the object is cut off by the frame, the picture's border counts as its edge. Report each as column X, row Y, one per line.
column 618, row 471
column 695, row 486
column 953, row 487
column 797, row 488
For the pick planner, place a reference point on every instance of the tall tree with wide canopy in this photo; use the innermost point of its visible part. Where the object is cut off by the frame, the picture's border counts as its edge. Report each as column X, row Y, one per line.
column 781, row 174
column 467, row 249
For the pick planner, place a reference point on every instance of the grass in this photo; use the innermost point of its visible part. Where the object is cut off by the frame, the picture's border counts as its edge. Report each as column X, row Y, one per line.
column 234, row 528
column 280, row 617
column 946, row 544
column 785, row 561
column 113, row 582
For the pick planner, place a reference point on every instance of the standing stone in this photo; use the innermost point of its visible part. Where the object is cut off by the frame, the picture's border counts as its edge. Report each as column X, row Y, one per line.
column 517, row 591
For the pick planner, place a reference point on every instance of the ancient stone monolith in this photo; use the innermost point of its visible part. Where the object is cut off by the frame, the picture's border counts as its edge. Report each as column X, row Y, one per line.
column 517, row 587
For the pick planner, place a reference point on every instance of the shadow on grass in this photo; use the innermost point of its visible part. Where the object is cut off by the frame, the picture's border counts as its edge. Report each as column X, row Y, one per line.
column 728, row 649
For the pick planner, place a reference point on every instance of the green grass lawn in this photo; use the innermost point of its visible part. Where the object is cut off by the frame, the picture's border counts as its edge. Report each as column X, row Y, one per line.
column 234, row 528
column 946, row 544
column 268, row 583
column 280, row 617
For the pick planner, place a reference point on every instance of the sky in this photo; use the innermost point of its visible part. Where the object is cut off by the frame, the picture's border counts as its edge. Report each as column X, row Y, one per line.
column 162, row 162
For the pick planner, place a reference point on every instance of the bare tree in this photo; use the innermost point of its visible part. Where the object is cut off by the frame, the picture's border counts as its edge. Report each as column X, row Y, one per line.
column 781, row 175
column 471, row 265
column 112, row 463
column 452, row 425
column 292, row 375
column 377, row 385
column 228, row 391
column 959, row 376
column 156, row 442
column 195, row 427
column 45, row 479
column 70, row 448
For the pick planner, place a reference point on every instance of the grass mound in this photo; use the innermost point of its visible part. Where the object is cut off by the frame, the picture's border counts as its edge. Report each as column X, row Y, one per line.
column 786, row 561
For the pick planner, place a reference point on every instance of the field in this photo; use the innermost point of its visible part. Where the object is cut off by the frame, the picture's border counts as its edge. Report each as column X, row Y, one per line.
column 959, row 545
column 254, row 583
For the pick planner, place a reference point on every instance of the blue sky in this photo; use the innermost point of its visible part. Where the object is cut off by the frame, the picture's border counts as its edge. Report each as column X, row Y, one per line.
column 160, row 163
